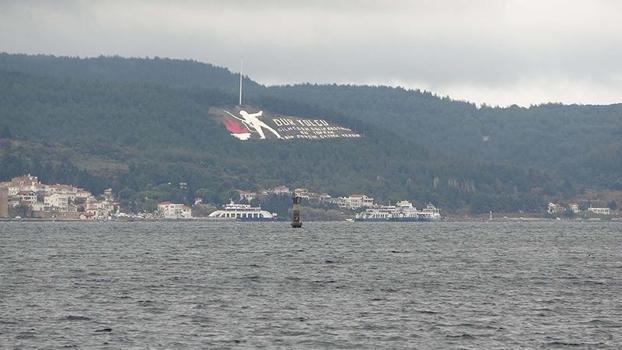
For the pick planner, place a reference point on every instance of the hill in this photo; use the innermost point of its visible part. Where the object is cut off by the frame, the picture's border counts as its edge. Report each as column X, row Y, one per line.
column 576, row 143
column 141, row 126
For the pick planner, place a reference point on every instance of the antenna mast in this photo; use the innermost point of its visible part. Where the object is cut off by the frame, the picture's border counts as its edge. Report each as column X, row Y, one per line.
column 241, row 66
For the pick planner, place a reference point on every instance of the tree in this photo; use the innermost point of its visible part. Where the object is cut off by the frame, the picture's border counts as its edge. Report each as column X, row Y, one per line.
column 21, row 210
column 6, row 133
column 612, row 205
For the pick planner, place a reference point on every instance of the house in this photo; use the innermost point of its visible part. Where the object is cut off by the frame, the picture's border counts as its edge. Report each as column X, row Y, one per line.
column 26, row 183
column 22, row 183
column 13, row 190
column 108, row 197
column 40, row 206
column 555, row 209
column 28, row 198
column 574, row 207
column 57, row 202
column 303, row 193
column 246, row 195
column 324, row 198
column 599, row 211
column 356, row 201
column 170, row 210
column 94, row 209
column 281, row 191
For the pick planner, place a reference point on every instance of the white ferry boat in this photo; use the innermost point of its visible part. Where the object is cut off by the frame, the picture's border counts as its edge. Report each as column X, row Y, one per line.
column 402, row 211
column 430, row 213
column 242, row 212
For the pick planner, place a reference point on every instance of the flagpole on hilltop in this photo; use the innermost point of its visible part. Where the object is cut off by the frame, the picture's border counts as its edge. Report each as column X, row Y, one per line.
column 241, row 67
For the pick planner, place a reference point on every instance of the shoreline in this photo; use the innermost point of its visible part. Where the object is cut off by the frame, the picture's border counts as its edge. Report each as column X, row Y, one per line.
column 449, row 220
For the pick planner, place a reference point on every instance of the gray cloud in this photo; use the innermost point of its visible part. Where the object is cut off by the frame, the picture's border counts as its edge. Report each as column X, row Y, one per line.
column 492, row 51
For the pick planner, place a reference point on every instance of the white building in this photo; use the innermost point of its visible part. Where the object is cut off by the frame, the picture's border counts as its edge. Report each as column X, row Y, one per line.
column 23, row 183
column 303, row 193
column 13, row 190
column 325, row 198
column 600, row 211
column 575, row 208
column 554, row 209
column 98, row 210
column 108, row 197
column 281, row 191
column 247, row 195
column 170, row 210
column 27, row 197
column 356, row 201
column 57, row 202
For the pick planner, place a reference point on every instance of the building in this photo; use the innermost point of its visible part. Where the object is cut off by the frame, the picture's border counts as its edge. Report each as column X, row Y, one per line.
column 4, row 202
column 324, row 198
column 555, row 209
column 57, row 202
column 575, row 208
column 599, row 211
column 58, row 199
column 170, row 210
column 99, row 210
column 247, row 195
column 356, row 201
column 22, row 183
column 281, row 191
column 28, row 198
column 108, row 197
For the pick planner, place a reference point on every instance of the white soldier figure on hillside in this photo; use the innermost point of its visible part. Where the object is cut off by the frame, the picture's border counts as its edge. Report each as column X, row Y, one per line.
column 251, row 120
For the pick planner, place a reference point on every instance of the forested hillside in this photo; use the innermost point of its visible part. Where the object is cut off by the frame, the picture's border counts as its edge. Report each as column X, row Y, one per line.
column 580, row 144
column 139, row 124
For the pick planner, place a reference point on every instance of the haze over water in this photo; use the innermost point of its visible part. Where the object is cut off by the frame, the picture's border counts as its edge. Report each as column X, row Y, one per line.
column 329, row 285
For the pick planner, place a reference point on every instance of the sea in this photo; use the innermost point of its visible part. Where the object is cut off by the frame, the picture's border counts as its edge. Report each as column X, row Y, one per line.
column 329, row 285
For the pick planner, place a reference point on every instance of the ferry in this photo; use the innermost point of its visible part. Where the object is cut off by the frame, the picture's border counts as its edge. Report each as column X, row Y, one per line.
column 403, row 211
column 242, row 212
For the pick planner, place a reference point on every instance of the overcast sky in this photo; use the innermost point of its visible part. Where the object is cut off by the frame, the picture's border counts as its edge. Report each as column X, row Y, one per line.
column 498, row 52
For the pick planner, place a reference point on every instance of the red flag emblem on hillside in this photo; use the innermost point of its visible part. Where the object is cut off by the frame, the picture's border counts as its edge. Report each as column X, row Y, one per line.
column 236, row 129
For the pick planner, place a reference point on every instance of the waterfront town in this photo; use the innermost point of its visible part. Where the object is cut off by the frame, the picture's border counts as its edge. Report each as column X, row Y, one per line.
column 27, row 197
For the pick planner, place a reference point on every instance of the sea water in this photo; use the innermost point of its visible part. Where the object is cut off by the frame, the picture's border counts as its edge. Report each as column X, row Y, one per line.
column 181, row 285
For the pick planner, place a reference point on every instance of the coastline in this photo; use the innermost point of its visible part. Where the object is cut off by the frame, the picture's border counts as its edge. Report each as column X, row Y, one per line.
column 449, row 219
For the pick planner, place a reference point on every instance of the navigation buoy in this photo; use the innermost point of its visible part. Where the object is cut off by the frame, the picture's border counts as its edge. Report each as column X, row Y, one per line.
column 296, row 223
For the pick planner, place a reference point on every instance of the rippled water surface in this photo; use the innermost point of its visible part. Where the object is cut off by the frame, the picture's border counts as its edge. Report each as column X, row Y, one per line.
column 329, row 285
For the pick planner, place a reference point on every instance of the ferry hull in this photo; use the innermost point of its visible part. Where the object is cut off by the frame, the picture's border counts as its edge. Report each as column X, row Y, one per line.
column 254, row 219
column 419, row 219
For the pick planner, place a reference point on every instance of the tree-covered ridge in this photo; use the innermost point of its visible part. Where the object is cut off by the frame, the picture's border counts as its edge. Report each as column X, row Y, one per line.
column 581, row 144
column 162, row 71
column 139, row 124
